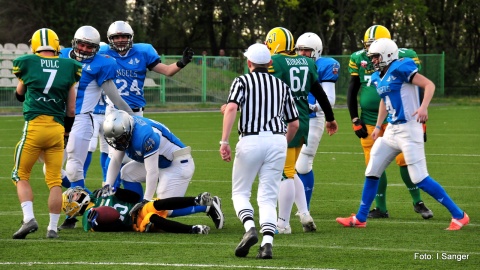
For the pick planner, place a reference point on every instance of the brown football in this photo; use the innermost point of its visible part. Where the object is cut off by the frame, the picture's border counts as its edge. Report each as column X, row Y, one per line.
column 106, row 215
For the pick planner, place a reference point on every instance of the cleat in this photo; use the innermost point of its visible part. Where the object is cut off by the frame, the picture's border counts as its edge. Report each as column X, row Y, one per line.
column 457, row 224
column 52, row 234
column 29, row 227
column 149, row 227
column 200, row 229
column 376, row 213
column 286, row 230
column 265, row 252
column 249, row 239
column 215, row 212
column 423, row 210
column 204, row 199
column 69, row 223
column 307, row 223
column 351, row 221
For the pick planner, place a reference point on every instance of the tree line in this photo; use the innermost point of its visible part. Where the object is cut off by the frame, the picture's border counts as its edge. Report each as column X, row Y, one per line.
column 428, row 26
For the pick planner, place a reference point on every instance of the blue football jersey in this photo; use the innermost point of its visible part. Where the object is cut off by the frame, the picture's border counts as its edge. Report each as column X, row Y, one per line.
column 101, row 105
column 95, row 71
column 150, row 137
column 401, row 97
column 327, row 69
column 132, row 71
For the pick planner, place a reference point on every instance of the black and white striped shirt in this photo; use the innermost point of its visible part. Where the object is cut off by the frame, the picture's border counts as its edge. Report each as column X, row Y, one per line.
column 265, row 102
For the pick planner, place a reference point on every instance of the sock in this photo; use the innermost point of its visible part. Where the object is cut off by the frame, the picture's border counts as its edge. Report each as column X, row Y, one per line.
column 103, row 165
column 248, row 224
column 86, row 165
column 434, row 189
column 286, row 197
column 308, row 181
column 381, row 196
column 53, row 225
column 300, row 199
column 412, row 188
column 65, row 182
column 188, row 211
column 27, row 209
column 368, row 195
column 133, row 186
column 267, row 239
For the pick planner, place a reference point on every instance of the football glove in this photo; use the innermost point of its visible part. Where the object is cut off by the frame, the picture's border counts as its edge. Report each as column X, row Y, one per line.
column 186, row 57
column 137, row 207
column 92, row 217
column 424, row 132
column 360, row 129
column 108, row 190
column 65, row 141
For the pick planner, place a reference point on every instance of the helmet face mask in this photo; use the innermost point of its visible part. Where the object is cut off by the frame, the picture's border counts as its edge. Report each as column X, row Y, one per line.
column 373, row 33
column 86, row 42
column 310, row 41
column 120, row 28
column 386, row 50
column 118, row 128
column 75, row 201
column 45, row 40
column 280, row 40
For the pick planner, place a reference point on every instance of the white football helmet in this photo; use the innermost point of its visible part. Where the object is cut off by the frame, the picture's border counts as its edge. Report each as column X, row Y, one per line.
column 75, row 201
column 310, row 41
column 117, row 129
column 387, row 51
column 89, row 35
column 120, row 28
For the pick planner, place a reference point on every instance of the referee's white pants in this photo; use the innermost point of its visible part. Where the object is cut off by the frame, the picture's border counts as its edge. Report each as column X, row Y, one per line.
column 406, row 138
column 264, row 155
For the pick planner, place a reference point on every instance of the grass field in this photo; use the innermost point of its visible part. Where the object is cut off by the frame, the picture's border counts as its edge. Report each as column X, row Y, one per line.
column 404, row 241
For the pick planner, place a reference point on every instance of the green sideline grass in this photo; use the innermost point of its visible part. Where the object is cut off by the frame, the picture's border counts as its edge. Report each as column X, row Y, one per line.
column 404, row 241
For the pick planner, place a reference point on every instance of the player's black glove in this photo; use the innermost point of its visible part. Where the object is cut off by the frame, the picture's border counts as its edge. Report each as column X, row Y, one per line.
column 424, row 132
column 97, row 193
column 137, row 207
column 186, row 57
column 360, row 128
column 65, row 141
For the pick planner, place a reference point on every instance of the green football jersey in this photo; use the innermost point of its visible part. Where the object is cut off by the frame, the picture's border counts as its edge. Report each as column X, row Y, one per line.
column 299, row 73
column 122, row 207
column 361, row 66
column 48, row 80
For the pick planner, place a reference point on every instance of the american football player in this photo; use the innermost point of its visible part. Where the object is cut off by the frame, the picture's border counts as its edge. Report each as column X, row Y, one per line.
column 397, row 82
column 47, row 89
column 310, row 45
column 128, row 215
column 361, row 69
column 300, row 74
column 98, row 73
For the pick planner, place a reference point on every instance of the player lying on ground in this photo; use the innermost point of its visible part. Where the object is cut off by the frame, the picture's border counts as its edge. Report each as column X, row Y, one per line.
column 120, row 212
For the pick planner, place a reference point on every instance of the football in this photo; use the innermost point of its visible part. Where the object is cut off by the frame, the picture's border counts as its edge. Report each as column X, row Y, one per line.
column 106, row 215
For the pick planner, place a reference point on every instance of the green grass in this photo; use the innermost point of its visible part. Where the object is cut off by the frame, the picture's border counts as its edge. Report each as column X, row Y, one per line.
column 453, row 157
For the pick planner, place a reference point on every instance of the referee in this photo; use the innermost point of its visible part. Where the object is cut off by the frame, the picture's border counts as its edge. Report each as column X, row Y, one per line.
column 265, row 103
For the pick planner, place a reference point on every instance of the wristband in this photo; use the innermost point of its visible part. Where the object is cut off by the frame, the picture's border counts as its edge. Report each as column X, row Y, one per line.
column 379, row 127
column 180, row 64
column 224, row 143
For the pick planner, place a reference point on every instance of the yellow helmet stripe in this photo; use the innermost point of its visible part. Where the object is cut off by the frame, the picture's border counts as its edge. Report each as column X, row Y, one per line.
column 44, row 37
column 288, row 38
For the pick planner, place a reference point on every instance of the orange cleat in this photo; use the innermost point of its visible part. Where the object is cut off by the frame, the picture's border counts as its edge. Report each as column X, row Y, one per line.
column 457, row 224
column 351, row 221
